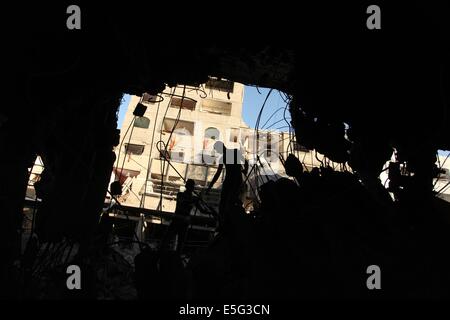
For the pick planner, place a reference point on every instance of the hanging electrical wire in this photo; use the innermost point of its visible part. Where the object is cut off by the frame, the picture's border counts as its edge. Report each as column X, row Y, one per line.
column 121, row 143
column 303, row 162
column 271, row 116
column 289, row 148
column 274, row 124
column 183, row 178
column 163, row 163
column 258, row 119
column 443, row 188
column 200, row 90
column 144, row 195
column 126, row 147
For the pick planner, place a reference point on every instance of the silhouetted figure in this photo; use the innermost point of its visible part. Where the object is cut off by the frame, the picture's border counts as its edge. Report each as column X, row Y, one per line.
column 180, row 225
column 235, row 165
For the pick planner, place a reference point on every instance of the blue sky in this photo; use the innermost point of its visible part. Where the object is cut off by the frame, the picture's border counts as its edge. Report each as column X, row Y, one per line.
column 123, row 109
column 272, row 115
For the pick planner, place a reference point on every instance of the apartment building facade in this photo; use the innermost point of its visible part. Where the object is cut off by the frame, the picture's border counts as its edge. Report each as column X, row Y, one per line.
column 174, row 141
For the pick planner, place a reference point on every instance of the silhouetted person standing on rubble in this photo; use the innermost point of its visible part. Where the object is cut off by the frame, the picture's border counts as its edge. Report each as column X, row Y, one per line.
column 180, row 224
column 235, row 165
